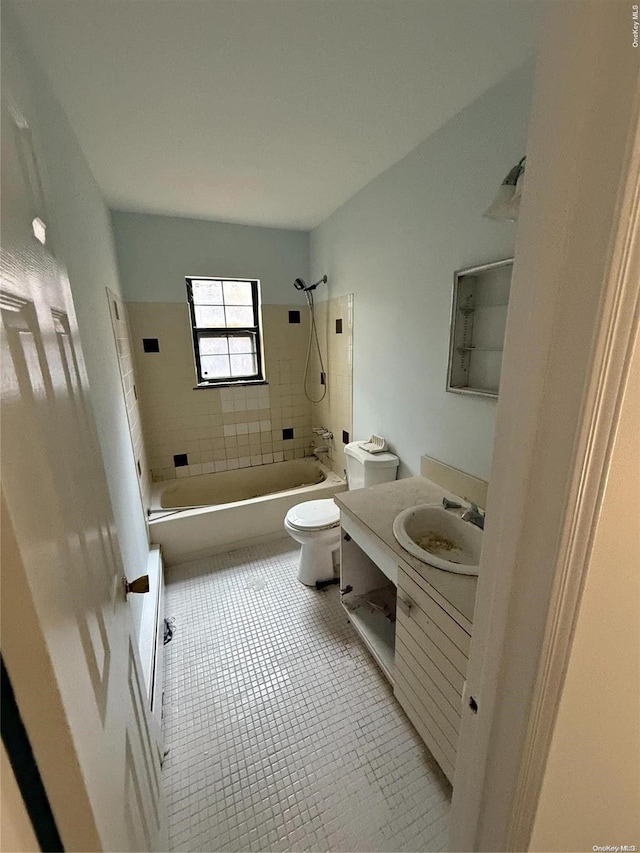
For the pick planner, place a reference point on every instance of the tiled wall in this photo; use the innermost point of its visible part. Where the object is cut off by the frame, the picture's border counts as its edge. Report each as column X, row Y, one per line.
column 334, row 319
column 122, row 336
column 192, row 431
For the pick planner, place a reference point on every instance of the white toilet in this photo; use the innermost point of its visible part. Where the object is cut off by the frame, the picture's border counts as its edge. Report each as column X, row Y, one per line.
column 316, row 524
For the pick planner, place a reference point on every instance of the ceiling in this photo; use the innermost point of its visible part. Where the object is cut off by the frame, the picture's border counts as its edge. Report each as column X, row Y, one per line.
column 264, row 112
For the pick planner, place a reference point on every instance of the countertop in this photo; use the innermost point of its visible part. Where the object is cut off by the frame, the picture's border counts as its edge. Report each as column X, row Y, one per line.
column 377, row 506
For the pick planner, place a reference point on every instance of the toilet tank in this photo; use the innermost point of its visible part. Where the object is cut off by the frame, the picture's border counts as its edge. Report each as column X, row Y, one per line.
column 368, row 469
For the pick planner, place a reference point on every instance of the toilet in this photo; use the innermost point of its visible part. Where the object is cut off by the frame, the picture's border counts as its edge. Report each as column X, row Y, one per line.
column 316, row 524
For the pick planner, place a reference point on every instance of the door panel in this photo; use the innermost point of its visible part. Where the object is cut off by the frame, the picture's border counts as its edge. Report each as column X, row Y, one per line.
column 58, row 507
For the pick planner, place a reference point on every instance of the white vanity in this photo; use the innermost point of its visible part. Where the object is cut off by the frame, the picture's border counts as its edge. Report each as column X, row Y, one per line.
column 416, row 620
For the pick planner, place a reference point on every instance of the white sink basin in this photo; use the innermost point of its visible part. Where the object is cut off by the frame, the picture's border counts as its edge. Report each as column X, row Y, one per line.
column 438, row 537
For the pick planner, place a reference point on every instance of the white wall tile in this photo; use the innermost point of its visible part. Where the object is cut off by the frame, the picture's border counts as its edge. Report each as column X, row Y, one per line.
column 178, row 419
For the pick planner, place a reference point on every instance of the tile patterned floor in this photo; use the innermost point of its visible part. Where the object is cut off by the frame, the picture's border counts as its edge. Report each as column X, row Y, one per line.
column 282, row 733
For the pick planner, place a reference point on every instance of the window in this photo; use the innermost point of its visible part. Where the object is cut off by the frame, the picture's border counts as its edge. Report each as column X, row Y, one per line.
column 225, row 319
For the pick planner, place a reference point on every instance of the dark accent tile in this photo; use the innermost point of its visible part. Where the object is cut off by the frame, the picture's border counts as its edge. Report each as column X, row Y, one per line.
column 345, row 437
column 287, row 433
column 151, row 345
column 323, row 378
column 135, row 392
column 180, row 460
column 294, row 316
column 115, row 308
column 139, row 467
column 338, row 327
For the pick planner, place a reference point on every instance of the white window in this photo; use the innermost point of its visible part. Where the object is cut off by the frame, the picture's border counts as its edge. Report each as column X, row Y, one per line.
column 225, row 321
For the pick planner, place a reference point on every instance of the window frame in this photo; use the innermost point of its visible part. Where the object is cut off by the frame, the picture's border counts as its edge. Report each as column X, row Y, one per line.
column 198, row 332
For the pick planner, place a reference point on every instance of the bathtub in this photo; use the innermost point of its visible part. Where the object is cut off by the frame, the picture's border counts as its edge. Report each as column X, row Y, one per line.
column 195, row 516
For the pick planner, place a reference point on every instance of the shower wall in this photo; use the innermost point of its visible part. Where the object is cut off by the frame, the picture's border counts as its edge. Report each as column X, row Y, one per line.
column 334, row 320
column 122, row 337
column 192, row 430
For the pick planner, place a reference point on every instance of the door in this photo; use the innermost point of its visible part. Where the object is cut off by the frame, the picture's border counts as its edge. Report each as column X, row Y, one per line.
column 67, row 640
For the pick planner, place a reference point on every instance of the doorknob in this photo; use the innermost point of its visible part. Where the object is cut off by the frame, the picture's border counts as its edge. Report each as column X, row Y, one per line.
column 140, row 584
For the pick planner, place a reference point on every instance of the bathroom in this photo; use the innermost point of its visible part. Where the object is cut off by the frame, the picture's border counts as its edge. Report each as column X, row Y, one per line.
column 273, row 716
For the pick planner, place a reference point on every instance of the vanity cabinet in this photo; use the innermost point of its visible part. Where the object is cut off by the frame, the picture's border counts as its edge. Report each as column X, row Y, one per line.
column 430, row 667
column 420, row 647
column 368, row 592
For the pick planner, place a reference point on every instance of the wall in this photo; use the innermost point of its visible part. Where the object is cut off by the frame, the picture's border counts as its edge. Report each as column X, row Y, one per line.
column 81, row 233
column 569, row 319
column 155, row 253
column 596, row 741
column 395, row 246
column 218, row 429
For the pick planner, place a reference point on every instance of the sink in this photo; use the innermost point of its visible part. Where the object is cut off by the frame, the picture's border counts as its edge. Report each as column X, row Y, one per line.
column 438, row 537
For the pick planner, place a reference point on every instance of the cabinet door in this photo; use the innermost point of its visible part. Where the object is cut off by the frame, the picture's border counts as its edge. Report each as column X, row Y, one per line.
column 430, row 668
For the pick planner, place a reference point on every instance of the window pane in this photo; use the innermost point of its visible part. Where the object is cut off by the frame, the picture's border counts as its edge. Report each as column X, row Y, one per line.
column 238, row 317
column 207, row 292
column 207, row 317
column 240, row 344
column 238, row 293
column 213, row 346
column 220, row 309
column 243, row 365
column 215, row 366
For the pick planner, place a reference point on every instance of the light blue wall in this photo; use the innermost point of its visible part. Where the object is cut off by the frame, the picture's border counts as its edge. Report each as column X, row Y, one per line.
column 80, row 227
column 395, row 246
column 155, row 253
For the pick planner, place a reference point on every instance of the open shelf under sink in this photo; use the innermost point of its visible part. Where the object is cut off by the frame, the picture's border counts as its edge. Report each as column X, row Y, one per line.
column 369, row 598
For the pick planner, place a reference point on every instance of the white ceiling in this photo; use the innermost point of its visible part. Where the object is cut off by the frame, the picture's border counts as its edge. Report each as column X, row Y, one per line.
column 265, row 112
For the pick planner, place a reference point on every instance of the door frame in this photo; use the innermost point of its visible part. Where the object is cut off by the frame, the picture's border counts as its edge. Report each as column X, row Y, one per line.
column 573, row 323
column 29, row 807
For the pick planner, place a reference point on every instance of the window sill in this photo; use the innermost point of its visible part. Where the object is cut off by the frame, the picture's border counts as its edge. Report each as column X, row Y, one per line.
column 241, row 384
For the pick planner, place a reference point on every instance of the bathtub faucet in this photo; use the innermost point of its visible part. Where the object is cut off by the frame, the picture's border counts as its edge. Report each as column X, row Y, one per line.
column 324, row 432
column 319, row 451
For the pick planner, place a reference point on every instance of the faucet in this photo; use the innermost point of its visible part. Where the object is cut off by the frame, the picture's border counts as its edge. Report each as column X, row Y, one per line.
column 447, row 504
column 324, row 432
column 474, row 516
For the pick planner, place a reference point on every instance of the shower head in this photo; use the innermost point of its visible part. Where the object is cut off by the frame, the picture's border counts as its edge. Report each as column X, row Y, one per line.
column 300, row 284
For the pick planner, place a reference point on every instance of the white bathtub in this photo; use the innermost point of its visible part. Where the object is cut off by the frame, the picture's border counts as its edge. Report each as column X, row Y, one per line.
column 196, row 516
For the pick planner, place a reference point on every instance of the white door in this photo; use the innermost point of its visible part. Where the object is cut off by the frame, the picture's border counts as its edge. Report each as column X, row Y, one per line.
column 65, row 614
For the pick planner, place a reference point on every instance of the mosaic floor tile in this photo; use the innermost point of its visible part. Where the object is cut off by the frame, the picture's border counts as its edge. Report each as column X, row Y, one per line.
column 282, row 733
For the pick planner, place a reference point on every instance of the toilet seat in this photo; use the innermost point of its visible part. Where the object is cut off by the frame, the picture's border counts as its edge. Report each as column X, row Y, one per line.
column 314, row 515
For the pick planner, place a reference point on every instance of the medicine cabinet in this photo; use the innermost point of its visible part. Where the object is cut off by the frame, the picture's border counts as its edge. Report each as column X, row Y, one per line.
column 478, row 321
